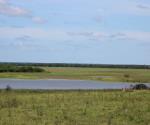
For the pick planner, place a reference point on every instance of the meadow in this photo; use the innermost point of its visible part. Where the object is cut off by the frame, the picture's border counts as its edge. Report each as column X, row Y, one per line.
column 113, row 107
column 97, row 74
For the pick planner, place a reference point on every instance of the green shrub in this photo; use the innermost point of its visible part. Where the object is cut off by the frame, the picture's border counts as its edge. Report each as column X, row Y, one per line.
column 13, row 68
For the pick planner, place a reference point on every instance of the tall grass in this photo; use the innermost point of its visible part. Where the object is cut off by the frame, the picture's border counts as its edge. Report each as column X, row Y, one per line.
column 74, row 108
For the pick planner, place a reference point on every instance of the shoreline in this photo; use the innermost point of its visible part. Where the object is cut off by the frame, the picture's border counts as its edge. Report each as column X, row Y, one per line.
column 51, row 79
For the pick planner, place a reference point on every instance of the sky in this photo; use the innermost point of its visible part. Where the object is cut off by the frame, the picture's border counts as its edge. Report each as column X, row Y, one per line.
column 75, row 31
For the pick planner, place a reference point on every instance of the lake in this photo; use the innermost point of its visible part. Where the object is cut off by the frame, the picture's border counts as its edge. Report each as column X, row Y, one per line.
column 53, row 84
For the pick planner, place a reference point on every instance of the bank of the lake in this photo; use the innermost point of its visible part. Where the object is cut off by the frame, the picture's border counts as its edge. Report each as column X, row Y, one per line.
column 95, row 74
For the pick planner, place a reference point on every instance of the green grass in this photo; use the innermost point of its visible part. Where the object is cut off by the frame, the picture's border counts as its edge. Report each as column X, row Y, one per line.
column 99, row 74
column 74, row 107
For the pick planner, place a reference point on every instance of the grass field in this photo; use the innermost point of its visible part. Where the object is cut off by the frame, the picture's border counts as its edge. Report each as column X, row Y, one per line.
column 100, row 74
column 24, row 107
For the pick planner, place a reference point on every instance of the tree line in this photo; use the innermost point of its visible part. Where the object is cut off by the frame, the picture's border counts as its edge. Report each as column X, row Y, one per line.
column 78, row 65
column 14, row 68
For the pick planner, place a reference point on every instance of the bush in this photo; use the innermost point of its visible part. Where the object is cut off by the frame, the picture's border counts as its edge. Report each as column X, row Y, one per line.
column 140, row 87
column 126, row 75
column 8, row 88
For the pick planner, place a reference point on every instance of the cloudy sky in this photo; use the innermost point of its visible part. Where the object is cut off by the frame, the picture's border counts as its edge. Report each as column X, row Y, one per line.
column 75, row 31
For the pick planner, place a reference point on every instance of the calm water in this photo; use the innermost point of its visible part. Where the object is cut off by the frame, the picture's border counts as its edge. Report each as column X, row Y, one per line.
column 60, row 84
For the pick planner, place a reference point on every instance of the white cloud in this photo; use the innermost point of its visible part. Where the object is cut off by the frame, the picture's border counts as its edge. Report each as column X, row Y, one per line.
column 7, row 9
column 38, row 20
column 35, row 33
column 12, row 11
column 28, row 34
column 85, row 34
column 98, row 18
column 24, row 38
column 138, row 36
column 142, row 6
column 128, row 7
column 137, row 10
column 3, row 1
column 135, row 36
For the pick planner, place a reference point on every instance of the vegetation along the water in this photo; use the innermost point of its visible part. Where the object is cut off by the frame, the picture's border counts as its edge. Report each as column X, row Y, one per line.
column 27, row 107
column 141, row 74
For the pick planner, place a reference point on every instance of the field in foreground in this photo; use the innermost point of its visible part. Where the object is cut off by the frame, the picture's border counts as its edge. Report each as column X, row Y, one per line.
column 99, row 74
column 74, row 107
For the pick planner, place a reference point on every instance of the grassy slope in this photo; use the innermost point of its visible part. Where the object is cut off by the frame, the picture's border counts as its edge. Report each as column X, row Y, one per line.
column 102, row 74
column 74, row 108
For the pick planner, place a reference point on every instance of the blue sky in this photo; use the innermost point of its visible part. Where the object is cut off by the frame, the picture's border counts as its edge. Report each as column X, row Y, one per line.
column 75, row 31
